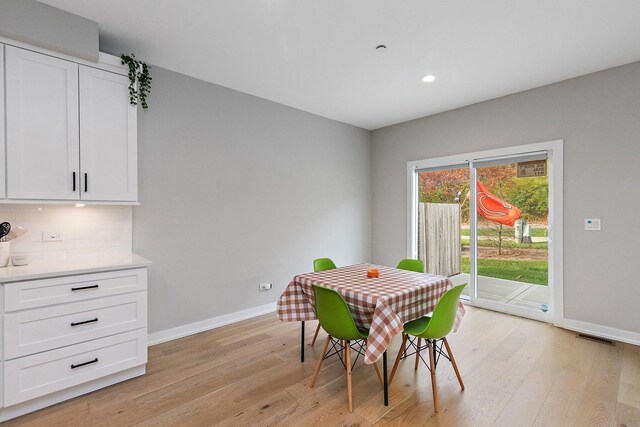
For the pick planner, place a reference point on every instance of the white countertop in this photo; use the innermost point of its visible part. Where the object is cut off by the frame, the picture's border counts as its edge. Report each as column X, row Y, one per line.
column 43, row 270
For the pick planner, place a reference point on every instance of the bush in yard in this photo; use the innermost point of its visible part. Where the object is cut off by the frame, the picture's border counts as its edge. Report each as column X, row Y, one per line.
column 531, row 196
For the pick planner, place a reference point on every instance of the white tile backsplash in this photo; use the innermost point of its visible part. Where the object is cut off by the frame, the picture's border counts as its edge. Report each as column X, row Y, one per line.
column 88, row 231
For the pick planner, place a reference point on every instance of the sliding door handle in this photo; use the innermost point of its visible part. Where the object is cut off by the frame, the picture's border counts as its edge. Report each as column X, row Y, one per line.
column 74, row 182
column 86, row 182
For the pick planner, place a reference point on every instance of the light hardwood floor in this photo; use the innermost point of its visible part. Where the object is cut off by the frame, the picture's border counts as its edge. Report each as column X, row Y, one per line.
column 517, row 372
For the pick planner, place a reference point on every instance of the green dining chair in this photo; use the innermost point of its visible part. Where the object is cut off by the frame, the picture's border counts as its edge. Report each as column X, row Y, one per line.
column 411, row 265
column 321, row 264
column 434, row 330
column 335, row 318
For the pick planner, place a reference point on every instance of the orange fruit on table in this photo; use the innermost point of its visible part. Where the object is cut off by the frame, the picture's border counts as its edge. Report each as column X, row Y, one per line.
column 373, row 272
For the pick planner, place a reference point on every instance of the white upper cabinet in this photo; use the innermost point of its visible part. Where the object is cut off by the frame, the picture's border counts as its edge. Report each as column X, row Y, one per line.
column 108, row 154
column 42, row 126
column 2, row 144
column 71, row 133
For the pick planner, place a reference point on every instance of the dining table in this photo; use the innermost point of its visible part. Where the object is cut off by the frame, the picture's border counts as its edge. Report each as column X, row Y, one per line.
column 381, row 305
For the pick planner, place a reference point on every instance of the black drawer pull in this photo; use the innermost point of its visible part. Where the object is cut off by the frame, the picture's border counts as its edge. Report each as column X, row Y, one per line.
column 84, row 322
column 74, row 181
column 86, row 183
column 82, row 288
column 85, row 363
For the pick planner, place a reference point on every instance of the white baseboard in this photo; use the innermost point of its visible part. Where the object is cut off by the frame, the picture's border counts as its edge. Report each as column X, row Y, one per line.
column 602, row 331
column 207, row 324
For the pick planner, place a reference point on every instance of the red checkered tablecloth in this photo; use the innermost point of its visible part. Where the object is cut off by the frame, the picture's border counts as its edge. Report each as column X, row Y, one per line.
column 381, row 305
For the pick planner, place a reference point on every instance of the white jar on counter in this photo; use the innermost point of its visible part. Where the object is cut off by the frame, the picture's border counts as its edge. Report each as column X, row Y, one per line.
column 5, row 253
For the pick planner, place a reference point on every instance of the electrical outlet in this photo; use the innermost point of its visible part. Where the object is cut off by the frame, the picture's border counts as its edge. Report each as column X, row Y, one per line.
column 265, row 286
column 49, row 236
column 592, row 224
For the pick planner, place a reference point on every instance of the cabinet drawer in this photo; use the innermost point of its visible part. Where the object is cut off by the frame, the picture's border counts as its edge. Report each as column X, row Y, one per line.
column 43, row 292
column 33, row 331
column 34, row 376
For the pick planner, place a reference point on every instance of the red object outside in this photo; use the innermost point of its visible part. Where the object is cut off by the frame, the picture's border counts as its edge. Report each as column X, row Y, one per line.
column 494, row 208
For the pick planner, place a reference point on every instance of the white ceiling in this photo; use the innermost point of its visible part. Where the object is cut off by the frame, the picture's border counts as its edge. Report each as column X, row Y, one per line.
column 319, row 56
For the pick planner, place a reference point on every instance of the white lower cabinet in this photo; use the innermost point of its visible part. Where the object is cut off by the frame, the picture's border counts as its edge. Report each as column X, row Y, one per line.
column 34, row 331
column 43, row 373
column 58, row 290
column 65, row 336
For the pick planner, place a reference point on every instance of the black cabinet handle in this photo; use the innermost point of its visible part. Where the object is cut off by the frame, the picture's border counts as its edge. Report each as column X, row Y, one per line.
column 82, row 288
column 86, row 183
column 85, row 363
column 84, row 322
column 74, row 182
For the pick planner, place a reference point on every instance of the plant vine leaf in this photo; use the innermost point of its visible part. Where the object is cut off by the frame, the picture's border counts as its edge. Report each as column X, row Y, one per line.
column 139, row 80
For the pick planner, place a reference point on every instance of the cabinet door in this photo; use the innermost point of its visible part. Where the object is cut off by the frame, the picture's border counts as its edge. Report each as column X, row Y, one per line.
column 2, row 144
column 42, row 126
column 108, row 137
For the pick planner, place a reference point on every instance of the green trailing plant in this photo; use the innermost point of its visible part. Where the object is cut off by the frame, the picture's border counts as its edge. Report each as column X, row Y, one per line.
column 139, row 80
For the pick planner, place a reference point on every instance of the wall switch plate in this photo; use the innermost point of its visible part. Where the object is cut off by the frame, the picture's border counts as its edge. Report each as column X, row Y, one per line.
column 592, row 224
column 49, row 236
column 265, row 286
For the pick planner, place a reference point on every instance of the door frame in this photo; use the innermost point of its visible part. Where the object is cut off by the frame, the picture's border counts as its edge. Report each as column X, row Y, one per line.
column 554, row 148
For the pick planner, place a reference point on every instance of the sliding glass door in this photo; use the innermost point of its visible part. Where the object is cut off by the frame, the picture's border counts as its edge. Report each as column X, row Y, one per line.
column 487, row 221
column 443, row 222
column 511, row 221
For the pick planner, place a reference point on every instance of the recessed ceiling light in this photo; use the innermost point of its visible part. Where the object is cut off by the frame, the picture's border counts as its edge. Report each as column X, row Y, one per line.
column 429, row 78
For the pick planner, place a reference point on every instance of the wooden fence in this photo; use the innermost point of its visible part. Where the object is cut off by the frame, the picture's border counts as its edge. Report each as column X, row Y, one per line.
column 439, row 244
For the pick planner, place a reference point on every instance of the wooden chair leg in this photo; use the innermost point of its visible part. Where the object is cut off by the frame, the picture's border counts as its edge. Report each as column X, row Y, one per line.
column 378, row 373
column 315, row 335
column 418, row 353
column 453, row 362
column 348, row 363
column 434, row 386
column 403, row 349
column 319, row 365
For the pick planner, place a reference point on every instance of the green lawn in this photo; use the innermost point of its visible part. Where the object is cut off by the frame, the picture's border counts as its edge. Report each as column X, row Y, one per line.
column 510, row 244
column 506, row 232
column 521, row 271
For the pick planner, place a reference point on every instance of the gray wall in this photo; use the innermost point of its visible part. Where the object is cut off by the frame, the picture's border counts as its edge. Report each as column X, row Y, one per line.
column 598, row 116
column 42, row 25
column 235, row 191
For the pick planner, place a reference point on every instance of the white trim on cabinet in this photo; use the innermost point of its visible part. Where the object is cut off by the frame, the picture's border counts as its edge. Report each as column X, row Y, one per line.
column 105, row 61
column 66, row 202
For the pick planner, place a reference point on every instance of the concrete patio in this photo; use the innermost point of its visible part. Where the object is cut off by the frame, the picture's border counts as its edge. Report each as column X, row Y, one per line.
column 524, row 295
